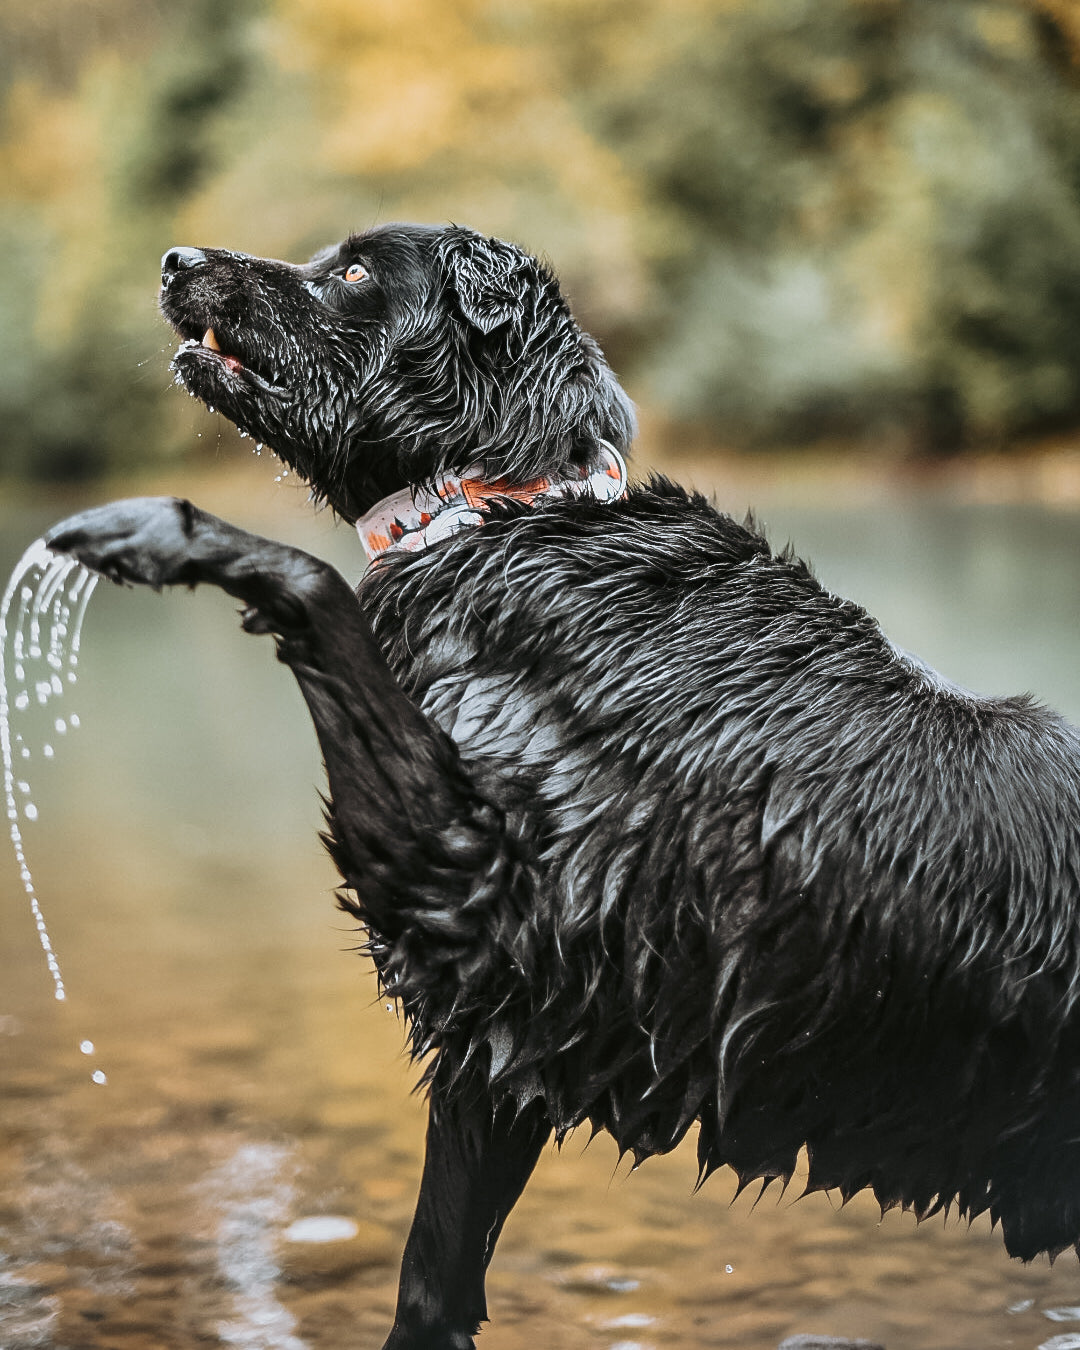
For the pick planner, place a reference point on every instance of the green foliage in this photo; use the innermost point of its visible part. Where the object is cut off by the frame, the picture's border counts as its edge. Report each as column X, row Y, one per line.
column 872, row 216
column 81, row 371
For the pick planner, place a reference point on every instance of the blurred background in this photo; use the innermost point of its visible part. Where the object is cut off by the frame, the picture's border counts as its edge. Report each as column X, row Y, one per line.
column 791, row 223
column 832, row 247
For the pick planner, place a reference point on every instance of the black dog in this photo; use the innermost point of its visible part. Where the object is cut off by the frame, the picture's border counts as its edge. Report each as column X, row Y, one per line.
column 646, row 827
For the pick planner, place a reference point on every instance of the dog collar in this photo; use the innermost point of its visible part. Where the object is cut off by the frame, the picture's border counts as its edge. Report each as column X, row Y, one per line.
column 410, row 520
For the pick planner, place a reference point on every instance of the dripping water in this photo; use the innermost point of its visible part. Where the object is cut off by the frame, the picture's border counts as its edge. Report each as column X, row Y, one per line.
column 41, row 617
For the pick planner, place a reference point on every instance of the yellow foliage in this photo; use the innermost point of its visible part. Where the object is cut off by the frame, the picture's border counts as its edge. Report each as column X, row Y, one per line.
column 51, row 162
column 418, row 82
column 413, row 77
column 1066, row 13
column 47, row 146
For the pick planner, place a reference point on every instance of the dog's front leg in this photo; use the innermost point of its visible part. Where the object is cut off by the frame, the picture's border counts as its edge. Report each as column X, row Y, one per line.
column 477, row 1162
column 430, row 859
column 413, row 838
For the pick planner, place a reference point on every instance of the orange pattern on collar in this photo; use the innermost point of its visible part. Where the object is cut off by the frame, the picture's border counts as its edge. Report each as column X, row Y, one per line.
column 409, row 521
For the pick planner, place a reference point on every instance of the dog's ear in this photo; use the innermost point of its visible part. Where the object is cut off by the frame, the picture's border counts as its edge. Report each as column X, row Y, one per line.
column 489, row 277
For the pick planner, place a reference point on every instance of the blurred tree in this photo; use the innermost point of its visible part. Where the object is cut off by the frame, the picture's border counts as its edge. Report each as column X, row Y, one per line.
column 871, row 207
column 96, row 160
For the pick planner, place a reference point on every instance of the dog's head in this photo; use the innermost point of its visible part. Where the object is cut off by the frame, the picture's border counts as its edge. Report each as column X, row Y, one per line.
column 397, row 355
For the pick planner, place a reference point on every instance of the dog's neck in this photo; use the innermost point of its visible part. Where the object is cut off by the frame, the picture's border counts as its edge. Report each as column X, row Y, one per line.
column 410, row 520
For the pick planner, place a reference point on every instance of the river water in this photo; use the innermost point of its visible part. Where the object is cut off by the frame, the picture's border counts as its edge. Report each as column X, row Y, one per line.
column 255, row 1081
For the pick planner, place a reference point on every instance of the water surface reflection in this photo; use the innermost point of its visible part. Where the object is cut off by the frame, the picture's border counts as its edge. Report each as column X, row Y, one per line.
column 254, row 1080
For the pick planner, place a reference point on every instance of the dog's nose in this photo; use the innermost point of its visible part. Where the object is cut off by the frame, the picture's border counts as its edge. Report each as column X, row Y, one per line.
column 180, row 260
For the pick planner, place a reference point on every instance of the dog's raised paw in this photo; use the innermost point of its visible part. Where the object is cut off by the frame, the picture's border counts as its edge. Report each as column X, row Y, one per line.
column 140, row 541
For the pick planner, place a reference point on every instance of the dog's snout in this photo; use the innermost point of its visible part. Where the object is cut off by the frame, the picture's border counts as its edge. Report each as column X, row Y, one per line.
column 180, row 260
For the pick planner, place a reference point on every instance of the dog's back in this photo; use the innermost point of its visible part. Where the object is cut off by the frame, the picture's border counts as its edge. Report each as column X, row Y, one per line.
column 788, row 881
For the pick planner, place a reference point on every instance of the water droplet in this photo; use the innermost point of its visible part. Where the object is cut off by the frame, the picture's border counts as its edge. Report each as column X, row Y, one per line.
column 321, row 1228
column 46, row 750
column 73, row 721
column 60, row 725
column 60, row 586
column 729, row 1270
column 87, row 1047
column 98, row 1077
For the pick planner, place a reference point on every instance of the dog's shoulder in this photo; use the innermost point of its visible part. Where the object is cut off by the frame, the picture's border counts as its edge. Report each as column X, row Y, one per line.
column 654, row 609
column 634, row 571
column 659, row 531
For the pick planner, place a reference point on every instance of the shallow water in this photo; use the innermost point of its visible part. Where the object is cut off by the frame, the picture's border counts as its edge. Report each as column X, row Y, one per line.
column 254, row 1080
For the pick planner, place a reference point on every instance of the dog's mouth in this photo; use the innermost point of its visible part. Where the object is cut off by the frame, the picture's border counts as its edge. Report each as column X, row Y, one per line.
column 209, row 339
column 207, row 350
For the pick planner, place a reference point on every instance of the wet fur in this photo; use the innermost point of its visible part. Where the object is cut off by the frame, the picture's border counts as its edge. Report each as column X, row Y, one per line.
column 647, row 828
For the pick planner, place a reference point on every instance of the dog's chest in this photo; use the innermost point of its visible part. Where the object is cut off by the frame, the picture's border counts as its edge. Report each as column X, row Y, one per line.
column 536, row 709
column 519, row 736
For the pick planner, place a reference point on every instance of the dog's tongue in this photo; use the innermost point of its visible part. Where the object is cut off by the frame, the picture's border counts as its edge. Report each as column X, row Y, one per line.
column 210, row 340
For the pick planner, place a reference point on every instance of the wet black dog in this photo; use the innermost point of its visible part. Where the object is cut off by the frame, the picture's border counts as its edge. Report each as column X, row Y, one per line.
column 647, row 827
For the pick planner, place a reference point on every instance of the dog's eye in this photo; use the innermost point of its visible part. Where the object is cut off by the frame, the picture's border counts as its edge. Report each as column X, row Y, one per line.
column 354, row 272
